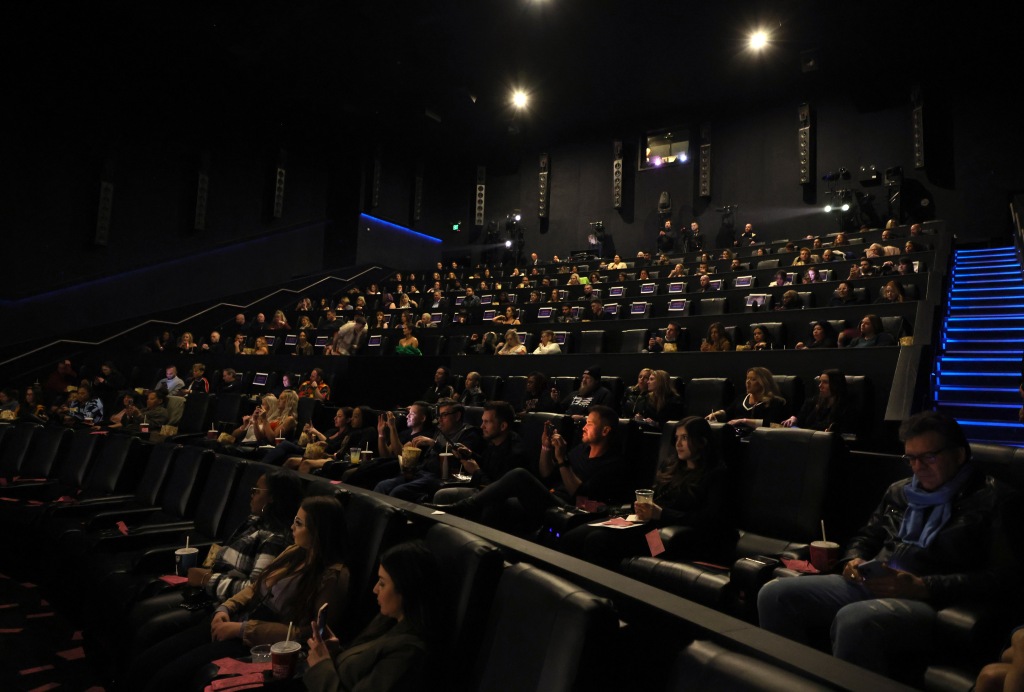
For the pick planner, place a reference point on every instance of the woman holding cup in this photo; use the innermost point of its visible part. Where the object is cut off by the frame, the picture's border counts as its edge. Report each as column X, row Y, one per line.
column 390, row 654
column 691, row 489
column 291, row 589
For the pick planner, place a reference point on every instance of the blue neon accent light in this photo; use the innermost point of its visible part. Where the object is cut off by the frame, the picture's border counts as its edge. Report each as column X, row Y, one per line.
column 396, row 227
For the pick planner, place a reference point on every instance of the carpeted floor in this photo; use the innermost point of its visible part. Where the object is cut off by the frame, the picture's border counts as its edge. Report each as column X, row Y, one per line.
column 39, row 649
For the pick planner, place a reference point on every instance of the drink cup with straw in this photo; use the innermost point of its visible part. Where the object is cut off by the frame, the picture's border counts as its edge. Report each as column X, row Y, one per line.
column 283, row 656
column 824, row 553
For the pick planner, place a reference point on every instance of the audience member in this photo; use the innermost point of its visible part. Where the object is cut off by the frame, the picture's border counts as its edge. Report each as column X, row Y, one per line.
column 453, row 433
column 828, row 409
column 716, row 339
column 691, row 488
column 762, row 404
column 315, row 387
column 935, row 540
column 871, row 334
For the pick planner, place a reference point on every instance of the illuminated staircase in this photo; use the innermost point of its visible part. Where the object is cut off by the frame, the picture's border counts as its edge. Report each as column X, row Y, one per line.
column 978, row 371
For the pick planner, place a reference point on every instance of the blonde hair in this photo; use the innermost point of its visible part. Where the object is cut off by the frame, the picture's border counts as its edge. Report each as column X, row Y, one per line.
column 287, row 405
column 315, row 450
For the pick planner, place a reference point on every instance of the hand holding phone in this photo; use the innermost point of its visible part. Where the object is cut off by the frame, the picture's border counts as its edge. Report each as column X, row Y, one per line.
column 873, row 568
column 321, row 621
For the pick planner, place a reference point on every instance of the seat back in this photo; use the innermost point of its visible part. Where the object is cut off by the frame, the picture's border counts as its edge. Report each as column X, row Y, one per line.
column 193, row 414
column 47, row 446
column 16, row 448
column 705, row 665
column 372, row 526
column 217, row 491
column 633, row 341
column 792, row 389
column 455, row 345
column 188, row 473
column 472, row 569
column 228, row 409
column 72, row 470
column 706, row 394
column 308, row 410
column 158, row 464
column 490, row 385
column 106, row 476
column 238, row 507
column 545, row 633
column 713, row 306
column 895, row 325
column 513, row 389
column 175, row 409
column 591, row 341
column 781, row 488
column 431, row 343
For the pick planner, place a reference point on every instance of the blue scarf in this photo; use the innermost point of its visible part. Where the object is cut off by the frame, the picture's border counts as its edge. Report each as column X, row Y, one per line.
column 928, row 512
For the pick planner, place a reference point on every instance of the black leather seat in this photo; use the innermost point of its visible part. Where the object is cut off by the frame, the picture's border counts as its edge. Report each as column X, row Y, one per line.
column 546, row 633
column 706, row 394
column 16, row 448
column 591, row 341
column 705, row 665
column 472, row 568
column 781, row 491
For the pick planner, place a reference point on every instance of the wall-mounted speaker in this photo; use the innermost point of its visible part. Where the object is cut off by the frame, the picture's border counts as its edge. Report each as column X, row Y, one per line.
column 542, row 186
column 481, row 190
column 104, row 213
column 917, row 127
column 805, row 145
column 279, row 192
column 704, row 171
column 617, row 172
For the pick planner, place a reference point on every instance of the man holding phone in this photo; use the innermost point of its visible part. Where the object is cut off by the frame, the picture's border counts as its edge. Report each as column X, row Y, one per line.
column 938, row 538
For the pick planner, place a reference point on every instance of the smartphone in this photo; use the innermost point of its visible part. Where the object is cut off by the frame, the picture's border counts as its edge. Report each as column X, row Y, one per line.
column 321, row 620
column 549, row 428
column 873, row 568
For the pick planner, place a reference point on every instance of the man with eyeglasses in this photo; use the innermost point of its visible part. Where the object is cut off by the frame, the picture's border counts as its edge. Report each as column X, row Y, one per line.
column 938, row 538
column 453, row 434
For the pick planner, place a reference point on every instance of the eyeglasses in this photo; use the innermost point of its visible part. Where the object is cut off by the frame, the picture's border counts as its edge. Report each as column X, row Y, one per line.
column 928, row 458
column 255, row 490
column 446, row 413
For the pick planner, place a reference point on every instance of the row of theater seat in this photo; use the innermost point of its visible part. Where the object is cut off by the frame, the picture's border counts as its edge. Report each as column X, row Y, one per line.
column 786, row 481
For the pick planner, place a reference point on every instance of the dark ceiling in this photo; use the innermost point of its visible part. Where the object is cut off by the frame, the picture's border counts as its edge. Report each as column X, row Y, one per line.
column 442, row 69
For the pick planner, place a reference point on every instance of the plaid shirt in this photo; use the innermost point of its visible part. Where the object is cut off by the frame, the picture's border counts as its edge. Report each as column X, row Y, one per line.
column 251, row 548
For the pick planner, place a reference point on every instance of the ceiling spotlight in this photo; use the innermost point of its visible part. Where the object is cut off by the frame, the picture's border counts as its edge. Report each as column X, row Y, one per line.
column 828, row 208
column 520, row 98
column 758, row 40
column 518, row 217
column 508, row 244
column 846, row 206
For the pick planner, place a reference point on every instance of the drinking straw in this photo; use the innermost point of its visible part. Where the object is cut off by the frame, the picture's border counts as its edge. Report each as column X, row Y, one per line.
column 823, row 530
column 288, row 637
column 186, row 542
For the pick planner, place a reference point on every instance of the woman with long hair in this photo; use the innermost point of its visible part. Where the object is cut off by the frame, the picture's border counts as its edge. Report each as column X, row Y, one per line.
column 394, row 649
column 762, row 404
column 512, row 346
column 282, row 421
column 187, row 344
column 660, row 403
column 716, row 339
column 827, row 410
column 691, row 488
column 290, row 590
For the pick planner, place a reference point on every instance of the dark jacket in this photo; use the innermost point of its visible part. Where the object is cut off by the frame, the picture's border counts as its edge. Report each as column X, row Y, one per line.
column 972, row 557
